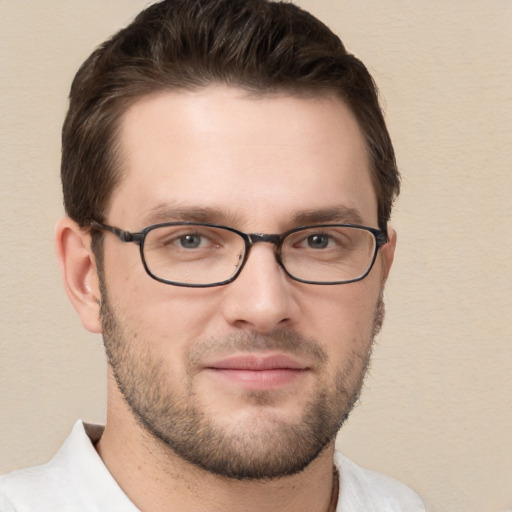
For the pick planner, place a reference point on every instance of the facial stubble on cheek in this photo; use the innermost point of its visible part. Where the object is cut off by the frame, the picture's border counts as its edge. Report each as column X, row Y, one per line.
column 265, row 445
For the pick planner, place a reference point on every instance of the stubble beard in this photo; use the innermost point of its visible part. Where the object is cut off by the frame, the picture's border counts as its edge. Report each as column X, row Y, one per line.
column 269, row 446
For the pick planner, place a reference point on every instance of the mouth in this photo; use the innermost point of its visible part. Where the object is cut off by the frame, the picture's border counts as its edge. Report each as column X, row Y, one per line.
column 258, row 371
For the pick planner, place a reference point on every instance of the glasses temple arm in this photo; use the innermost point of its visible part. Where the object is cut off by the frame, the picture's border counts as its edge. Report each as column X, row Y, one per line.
column 124, row 236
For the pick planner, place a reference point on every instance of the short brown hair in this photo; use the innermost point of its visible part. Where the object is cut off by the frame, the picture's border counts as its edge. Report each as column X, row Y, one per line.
column 258, row 45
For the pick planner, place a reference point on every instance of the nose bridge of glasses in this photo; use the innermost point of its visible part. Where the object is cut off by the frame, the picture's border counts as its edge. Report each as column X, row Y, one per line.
column 254, row 238
column 274, row 239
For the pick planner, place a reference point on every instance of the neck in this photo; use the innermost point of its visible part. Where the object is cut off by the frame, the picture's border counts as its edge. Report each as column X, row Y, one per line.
column 156, row 479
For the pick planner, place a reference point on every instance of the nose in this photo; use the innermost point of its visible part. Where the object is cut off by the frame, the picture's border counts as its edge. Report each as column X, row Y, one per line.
column 262, row 297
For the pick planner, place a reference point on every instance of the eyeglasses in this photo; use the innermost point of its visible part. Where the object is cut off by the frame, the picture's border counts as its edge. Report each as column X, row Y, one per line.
column 203, row 255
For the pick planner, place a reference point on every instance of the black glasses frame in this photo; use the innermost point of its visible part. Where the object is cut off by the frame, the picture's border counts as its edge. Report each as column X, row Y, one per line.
column 250, row 239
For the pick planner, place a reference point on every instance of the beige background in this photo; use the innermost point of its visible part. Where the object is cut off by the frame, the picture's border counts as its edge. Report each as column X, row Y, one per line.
column 437, row 409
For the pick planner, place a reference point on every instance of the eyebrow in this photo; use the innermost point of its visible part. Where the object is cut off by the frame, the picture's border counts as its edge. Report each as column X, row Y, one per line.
column 342, row 214
column 165, row 212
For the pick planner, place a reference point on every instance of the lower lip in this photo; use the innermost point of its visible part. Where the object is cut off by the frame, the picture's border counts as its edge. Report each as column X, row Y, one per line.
column 259, row 379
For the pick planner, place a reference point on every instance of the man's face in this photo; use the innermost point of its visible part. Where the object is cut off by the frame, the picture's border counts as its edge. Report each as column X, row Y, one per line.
column 254, row 378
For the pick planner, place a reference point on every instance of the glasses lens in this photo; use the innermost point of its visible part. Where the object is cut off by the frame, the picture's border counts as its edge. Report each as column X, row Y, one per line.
column 193, row 254
column 328, row 254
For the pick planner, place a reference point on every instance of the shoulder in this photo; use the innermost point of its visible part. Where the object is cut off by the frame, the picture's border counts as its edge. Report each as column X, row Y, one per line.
column 5, row 504
column 20, row 488
column 363, row 489
column 36, row 486
column 74, row 480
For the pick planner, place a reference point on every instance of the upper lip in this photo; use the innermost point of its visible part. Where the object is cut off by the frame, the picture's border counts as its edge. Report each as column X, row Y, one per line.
column 257, row 362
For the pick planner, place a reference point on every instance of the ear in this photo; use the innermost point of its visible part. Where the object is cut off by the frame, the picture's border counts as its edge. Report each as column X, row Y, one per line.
column 388, row 252
column 78, row 267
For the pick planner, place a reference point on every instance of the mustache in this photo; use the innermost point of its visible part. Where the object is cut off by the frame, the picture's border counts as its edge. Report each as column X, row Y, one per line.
column 282, row 340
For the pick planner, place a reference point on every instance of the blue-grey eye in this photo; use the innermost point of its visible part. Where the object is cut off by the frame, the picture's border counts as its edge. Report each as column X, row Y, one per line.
column 318, row 241
column 190, row 241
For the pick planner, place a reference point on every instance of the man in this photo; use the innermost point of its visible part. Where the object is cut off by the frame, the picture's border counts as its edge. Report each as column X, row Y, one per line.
column 228, row 179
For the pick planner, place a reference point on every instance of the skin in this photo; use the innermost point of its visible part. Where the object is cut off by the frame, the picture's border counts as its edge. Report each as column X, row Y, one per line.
column 259, row 164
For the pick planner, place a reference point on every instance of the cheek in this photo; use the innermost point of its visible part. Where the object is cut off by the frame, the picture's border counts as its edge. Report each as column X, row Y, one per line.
column 168, row 318
column 343, row 318
column 347, row 305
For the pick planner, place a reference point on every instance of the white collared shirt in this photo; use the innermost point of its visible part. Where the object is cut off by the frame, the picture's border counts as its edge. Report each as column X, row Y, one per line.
column 76, row 480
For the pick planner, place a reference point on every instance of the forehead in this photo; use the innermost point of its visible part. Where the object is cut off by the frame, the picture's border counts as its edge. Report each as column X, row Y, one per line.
column 249, row 157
